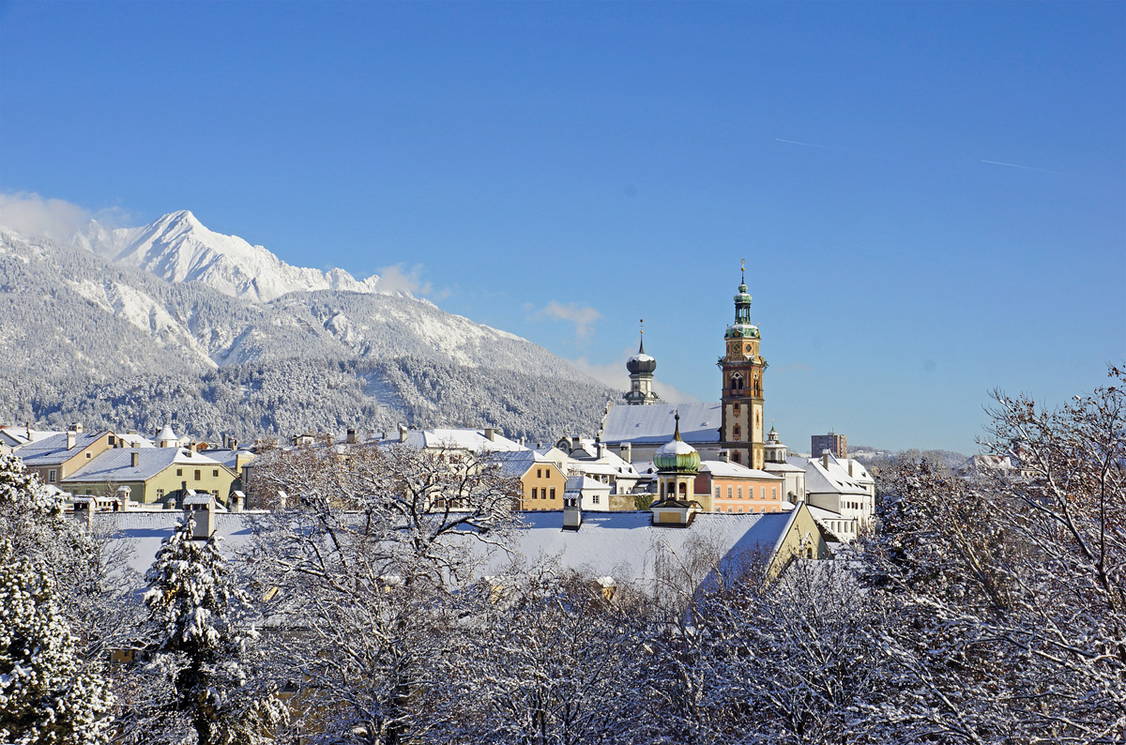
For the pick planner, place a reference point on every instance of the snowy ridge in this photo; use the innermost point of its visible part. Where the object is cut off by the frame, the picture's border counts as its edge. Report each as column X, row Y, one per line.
column 177, row 247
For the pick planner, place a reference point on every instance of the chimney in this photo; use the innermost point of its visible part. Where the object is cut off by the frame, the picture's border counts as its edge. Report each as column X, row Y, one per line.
column 350, row 437
column 572, row 516
column 402, row 433
column 123, row 493
column 201, row 508
column 238, row 501
column 27, row 429
column 825, row 459
column 77, row 427
column 598, row 448
column 574, row 442
column 849, row 461
column 71, row 435
column 490, row 433
column 626, row 449
column 725, row 456
column 84, row 508
column 134, row 459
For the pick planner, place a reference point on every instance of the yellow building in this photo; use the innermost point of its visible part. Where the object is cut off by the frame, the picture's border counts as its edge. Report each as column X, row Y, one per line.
column 542, row 481
column 151, row 474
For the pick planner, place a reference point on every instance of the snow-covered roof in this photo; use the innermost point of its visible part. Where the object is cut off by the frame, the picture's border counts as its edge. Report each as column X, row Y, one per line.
column 626, row 546
column 16, row 435
column 723, row 469
column 134, row 440
column 517, row 462
column 610, row 469
column 472, row 440
column 576, row 484
column 770, row 467
column 623, row 545
column 675, row 447
column 53, row 450
column 116, row 464
column 229, row 457
column 820, row 513
column 834, row 479
column 654, row 423
column 143, row 531
column 166, row 434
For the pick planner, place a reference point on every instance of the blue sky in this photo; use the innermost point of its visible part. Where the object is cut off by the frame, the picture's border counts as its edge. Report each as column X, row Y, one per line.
column 931, row 197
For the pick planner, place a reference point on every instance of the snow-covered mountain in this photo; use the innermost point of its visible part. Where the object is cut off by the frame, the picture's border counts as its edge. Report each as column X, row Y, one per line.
column 130, row 327
column 177, row 247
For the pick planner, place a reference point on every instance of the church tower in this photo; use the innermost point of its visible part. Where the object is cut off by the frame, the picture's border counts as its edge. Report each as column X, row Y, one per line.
column 641, row 368
column 743, row 366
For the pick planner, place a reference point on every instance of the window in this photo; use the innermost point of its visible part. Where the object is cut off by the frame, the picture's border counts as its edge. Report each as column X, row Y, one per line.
column 197, row 474
column 89, row 455
column 736, row 432
column 729, row 492
column 160, row 494
column 112, row 441
column 553, row 492
column 594, row 499
column 739, row 492
column 179, row 471
column 717, row 491
column 774, row 492
column 735, row 409
column 535, row 493
column 214, row 473
column 52, row 476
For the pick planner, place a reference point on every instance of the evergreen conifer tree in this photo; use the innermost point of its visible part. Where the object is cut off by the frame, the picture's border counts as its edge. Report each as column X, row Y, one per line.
column 205, row 645
column 47, row 695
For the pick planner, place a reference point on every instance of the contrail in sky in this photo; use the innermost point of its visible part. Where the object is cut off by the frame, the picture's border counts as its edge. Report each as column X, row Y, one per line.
column 798, row 142
column 1016, row 165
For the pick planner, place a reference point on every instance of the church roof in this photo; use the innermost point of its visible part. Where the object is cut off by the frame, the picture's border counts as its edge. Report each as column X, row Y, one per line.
column 653, row 423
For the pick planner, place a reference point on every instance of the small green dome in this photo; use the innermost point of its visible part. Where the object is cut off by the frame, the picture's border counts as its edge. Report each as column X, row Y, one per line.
column 677, row 455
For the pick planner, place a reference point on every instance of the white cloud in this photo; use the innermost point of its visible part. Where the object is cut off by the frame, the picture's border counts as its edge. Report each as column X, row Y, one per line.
column 400, row 278
column 32, row 214
column 57, row 219
column 614, row 375
column 583, row 316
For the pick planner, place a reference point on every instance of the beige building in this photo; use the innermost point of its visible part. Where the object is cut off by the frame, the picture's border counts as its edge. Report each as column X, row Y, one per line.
column 152, row 475
column 53, row 459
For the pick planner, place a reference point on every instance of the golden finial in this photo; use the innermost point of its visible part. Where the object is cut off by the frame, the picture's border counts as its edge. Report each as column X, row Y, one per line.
column 742, row 271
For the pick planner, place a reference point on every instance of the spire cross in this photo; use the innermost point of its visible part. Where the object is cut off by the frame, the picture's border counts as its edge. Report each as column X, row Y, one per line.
column 641, row 347
column 742, row 271
column 676, row 432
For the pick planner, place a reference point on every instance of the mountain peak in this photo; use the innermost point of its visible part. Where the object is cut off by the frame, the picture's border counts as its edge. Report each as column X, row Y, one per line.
column 177, row 247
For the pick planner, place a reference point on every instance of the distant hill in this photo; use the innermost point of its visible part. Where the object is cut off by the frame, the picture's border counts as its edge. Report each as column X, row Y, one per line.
column 132, row 327
column 871, row 456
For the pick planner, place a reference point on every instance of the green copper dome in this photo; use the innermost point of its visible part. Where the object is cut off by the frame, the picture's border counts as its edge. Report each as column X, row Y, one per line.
column 677, row 455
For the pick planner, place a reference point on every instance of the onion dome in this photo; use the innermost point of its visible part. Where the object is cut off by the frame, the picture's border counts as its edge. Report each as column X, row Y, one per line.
column 641, row 362
column 742, row 328
column 677, row 455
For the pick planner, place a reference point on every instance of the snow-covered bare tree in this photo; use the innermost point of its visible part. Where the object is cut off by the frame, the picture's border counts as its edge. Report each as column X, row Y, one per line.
column 48, row 694
column 203, row 651
column 1010, row 590
column 550, row 660
column 791, row 661
column 364, row 554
